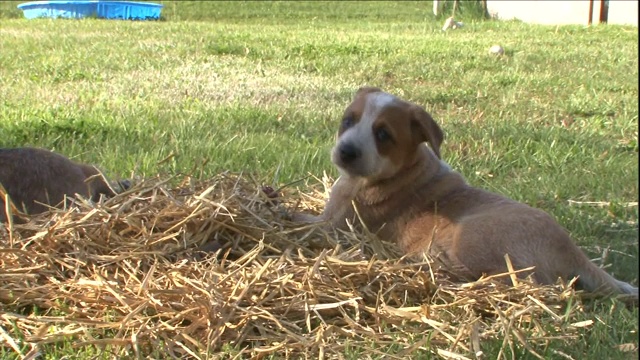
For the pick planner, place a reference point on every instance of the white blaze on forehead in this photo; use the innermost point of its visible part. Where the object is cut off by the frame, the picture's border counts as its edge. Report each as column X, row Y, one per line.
column 361, row 134
column 374, row 104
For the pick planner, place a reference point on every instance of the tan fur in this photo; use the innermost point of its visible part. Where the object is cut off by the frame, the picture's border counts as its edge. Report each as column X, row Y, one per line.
column 35, row 178
column 426, row 207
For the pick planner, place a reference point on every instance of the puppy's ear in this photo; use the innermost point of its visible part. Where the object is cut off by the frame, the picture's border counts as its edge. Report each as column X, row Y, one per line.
column 426, row 129
column 366, row 90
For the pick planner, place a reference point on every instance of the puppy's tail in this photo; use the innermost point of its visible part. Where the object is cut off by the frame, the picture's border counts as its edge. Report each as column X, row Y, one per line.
column 596, row 280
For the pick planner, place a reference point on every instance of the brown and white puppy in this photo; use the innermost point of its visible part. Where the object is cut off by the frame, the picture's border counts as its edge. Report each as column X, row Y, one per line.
column 405, row 193
column 35, row 178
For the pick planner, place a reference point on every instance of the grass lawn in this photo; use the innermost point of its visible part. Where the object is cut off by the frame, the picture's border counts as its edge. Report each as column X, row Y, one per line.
column 259, row 87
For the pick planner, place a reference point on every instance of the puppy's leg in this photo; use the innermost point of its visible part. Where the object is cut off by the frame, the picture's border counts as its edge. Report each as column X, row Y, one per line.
column 339, row 206
column 306, row 218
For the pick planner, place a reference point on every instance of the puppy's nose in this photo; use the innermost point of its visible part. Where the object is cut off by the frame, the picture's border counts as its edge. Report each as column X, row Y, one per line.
column 349, row 153
column 125, row 184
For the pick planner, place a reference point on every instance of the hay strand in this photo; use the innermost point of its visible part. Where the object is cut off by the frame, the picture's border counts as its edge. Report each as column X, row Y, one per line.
column 129, row 274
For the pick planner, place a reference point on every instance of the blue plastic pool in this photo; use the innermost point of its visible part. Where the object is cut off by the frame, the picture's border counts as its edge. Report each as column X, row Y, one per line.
column 59, row 9
column 128, row 10
column 125, row 10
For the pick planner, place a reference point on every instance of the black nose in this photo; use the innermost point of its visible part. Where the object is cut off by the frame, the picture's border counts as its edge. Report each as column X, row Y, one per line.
column 125, row 184
column 349, row 153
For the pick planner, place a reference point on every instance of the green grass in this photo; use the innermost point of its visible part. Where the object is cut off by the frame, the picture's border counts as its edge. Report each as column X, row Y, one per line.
column 260, row 86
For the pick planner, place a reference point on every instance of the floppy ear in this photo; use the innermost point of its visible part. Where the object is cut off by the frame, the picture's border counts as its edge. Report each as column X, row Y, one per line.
column 426, row 129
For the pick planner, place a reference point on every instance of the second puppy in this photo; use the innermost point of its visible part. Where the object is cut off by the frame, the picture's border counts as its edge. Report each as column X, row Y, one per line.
column 37, row 178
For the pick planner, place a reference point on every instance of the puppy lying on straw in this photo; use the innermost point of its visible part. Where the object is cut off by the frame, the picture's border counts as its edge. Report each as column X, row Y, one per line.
column 34, row 179
column 401, row 190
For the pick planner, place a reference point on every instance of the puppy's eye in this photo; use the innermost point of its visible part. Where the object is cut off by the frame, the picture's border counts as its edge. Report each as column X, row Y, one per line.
column 382, row 135
column 347, row 122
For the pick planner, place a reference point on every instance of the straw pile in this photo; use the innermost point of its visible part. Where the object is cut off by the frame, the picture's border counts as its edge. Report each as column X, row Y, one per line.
column 127, row 275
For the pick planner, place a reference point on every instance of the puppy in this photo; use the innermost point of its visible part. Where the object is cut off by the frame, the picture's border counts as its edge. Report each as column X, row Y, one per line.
column 404, row 192
column 34, row 178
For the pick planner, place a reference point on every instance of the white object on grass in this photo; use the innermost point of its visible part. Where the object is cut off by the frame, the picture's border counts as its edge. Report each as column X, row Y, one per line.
column 496, row 50
column 450, row 23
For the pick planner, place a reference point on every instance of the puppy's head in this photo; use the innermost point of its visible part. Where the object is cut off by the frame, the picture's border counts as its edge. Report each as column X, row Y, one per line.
column 380, row 135
column 98, row 184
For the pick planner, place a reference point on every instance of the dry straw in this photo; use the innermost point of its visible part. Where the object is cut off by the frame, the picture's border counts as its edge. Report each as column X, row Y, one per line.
column 126, row 275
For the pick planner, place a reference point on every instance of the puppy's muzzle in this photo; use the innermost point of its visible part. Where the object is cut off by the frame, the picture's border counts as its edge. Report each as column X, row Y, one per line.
column 348, row 153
